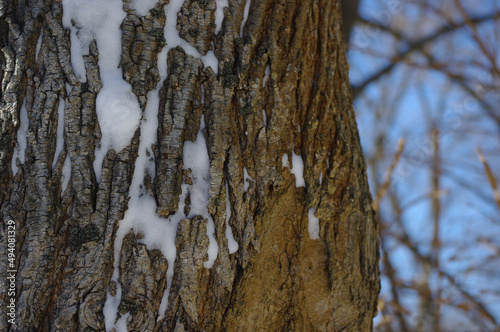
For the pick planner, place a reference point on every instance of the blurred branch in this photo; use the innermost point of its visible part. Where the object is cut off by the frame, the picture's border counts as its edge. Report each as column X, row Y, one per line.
column 477, row 38
column 419, row 199
column 436, row 209
column 418, row 45
column 491, row 177
column 388, row 29
column 423, row 286
column 471, row 298
column 405, row 240
column 467, row 185
column 490, row 111
column 381, row 192
column 462, row 82
column 390, row 273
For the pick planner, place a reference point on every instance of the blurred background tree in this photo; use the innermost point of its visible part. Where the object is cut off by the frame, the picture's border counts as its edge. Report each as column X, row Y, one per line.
column 426, row 80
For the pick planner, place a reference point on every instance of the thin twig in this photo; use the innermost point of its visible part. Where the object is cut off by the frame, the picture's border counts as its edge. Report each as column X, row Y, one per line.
column 436, row 209
column 387, row 180
column 491, row 177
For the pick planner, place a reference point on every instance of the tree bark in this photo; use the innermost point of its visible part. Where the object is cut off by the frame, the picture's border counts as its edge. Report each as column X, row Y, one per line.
column 279, row 278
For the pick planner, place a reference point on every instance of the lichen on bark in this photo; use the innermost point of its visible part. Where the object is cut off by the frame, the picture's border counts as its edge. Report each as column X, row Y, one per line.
column 196, row 24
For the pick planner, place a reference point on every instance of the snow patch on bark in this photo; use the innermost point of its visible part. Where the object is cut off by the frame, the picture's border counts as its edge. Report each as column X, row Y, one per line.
column 313, row 224
column 298, row 170
column 231, row 242
column 66, row 173
column 219, row 14
column 93, row 19
column 117, row 108
column 119, row 116
column 267, row 72
column 38, row 45
column 245, row 16
column 110, row 309
column 121, row 324
column 20, row 148
column 141, row 217
column 195, row 157
column 284, row 161
column 142, row 7
column 173, row 39
column 60, row 131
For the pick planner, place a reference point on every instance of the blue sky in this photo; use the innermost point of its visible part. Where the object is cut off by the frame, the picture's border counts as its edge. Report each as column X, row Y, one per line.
column 404, row 104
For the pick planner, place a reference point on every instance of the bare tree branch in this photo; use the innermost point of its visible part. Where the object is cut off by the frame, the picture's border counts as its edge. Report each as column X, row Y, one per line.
column 416, row 46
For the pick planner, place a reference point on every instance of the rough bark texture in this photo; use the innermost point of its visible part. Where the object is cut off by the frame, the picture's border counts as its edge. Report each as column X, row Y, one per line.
column 279, row 279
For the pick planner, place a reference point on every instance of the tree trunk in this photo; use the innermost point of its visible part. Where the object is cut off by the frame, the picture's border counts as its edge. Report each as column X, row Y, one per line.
column 85, row 257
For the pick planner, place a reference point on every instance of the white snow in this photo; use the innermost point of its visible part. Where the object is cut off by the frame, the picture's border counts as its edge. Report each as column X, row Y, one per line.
column 231, row 242
column 264, row 117
column 142, row 7
column 117, row 107
column 219, row 14
column 60, row 131
column 284, row 161
column 119, row 116
column 159, row 233
column 267, row 72
column 66, row 173
column 313, row 224
column 88, row 20
column 173, row 39
column 77, row 51
column 195, row 157
column 141, row 217
column 20, row 148
column 141, row 214
column 298, row 170
column 245, row 16
column 246, row 179
column 38, row 44
column 121, row 324
column 110, row 309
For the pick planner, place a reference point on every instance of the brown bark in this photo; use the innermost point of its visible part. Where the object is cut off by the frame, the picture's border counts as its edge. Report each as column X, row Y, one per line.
column 279, row 279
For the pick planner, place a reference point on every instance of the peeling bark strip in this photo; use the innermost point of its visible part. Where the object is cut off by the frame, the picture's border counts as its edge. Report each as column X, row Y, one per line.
column 280, row 88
